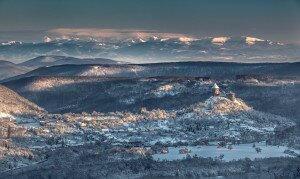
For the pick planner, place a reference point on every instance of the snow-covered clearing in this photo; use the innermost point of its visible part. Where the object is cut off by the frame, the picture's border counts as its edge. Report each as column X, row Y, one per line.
column 237, row 152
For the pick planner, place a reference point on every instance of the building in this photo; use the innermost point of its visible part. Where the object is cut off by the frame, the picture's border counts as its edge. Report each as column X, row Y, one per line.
column 231, row 96
column 216, row 90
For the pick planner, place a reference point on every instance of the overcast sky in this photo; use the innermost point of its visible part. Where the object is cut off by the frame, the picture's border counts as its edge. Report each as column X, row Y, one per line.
column 277, row 20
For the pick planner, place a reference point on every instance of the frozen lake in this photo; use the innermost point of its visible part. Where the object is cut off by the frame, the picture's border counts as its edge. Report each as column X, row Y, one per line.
column 237, row 152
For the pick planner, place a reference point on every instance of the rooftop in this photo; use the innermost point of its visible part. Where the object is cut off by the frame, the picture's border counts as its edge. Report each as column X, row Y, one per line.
column 215, row 86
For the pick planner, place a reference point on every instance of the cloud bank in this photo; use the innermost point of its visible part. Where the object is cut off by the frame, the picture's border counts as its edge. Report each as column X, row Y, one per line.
column 119, row 34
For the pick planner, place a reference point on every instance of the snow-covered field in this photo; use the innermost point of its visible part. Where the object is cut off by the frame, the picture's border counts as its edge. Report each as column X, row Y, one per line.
column 237, row 152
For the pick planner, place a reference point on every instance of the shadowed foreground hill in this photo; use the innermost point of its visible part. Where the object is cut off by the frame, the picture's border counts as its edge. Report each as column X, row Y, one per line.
column 12, row 103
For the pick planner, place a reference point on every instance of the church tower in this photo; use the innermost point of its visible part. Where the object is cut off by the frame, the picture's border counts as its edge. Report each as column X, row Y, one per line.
column 216, row 90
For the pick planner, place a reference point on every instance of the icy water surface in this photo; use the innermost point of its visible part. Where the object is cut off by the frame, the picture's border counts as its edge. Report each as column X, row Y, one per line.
column 237, row 152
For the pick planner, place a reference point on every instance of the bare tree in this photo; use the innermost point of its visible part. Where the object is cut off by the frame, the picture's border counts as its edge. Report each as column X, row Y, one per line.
column 9, row 132
column 258, row 150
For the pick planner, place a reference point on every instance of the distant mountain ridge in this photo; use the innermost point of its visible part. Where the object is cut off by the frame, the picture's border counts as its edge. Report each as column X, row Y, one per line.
column 9, row 69
column 158, row 49
column 51, row 60
column 189, row 69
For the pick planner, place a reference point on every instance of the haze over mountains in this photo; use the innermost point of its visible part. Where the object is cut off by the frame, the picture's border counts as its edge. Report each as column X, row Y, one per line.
column 156, row 49
column 9, row 69
column 43, row 61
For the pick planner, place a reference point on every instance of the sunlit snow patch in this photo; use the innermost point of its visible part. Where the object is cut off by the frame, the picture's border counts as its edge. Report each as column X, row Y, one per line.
column 6, row 115
column 169, row 89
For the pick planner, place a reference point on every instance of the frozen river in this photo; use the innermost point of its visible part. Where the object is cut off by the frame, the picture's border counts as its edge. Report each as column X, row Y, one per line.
column 237, row 152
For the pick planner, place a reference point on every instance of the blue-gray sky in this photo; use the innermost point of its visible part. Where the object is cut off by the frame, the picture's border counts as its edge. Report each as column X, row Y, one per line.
column 277, row 20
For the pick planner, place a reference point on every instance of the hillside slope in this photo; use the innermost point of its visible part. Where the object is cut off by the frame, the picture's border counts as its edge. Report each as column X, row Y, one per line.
column 12, row 103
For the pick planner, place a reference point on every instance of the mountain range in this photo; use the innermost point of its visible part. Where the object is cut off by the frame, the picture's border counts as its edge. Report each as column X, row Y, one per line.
column 157, row 49
column 217, row 70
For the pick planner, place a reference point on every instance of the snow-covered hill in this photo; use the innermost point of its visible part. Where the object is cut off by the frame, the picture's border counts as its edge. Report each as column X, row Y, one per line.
column 222, row 105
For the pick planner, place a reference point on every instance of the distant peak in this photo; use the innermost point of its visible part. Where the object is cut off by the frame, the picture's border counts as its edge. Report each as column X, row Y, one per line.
column 155, row 38
column 142, row 40
column 47, row 39
column 11, row 43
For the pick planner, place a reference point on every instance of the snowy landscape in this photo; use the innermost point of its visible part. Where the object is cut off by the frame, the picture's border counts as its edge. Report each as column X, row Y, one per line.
column 125, row 114
column 149, row 89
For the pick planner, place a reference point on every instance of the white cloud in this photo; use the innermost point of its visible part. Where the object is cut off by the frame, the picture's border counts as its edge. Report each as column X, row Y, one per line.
column 252, row 40
column 186, row 39
column 115, row 33
column 220, row 40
